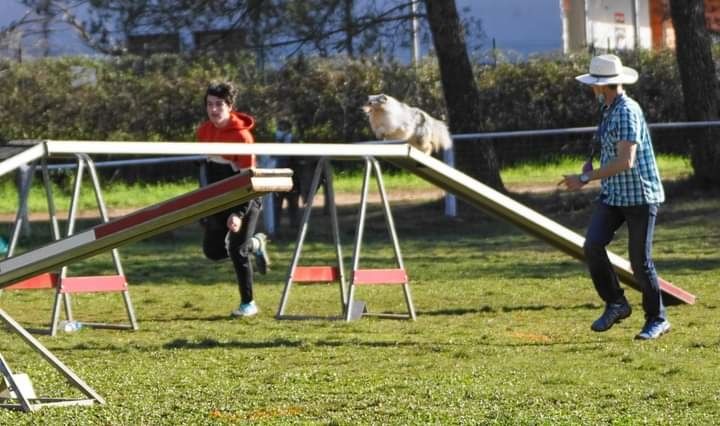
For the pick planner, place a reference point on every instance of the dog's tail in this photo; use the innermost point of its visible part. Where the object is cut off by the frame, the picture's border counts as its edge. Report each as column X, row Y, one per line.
column 441, row 139
column 442, row 135
column 432, row 131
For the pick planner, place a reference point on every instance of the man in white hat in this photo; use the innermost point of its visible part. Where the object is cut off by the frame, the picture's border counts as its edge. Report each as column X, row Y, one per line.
column 630, row 193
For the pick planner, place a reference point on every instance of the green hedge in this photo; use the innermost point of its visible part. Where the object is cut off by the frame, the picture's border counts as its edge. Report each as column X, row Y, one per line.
column 160, row 97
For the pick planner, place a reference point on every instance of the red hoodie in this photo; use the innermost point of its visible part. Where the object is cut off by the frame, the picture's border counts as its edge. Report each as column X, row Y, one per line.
column 237, row 130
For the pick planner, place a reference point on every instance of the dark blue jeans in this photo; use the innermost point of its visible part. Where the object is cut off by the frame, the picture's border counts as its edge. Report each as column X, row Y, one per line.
column 641, row 227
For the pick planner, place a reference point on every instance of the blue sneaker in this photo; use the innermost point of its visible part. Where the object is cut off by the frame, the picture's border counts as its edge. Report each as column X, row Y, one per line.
column 246, row 310
column 653, row 329
column 614, row 312
column 4, row 247
column 261, row 256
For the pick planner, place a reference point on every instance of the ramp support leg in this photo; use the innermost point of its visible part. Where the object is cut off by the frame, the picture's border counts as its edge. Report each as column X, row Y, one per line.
column 65, row 371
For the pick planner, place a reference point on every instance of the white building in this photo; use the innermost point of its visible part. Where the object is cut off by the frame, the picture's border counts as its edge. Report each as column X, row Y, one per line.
column 624, row 24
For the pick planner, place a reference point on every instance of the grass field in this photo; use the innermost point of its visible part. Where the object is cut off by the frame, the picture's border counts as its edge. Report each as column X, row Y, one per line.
column 122, row 195
column 502, row 335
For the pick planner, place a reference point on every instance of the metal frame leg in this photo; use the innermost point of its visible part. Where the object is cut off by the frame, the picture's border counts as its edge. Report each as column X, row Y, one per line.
column 335, row 223
column 22, row 214
column 358, row 238
column 55, row 226
column 115, row 253
column 353, row 311
column 393, row 235
column 321, row 168
column 7, row 373
column 70, row 376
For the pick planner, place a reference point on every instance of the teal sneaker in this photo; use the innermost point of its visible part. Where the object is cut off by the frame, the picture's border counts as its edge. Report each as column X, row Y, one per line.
column 246, row 310
column 4, row 247
column 653, row 329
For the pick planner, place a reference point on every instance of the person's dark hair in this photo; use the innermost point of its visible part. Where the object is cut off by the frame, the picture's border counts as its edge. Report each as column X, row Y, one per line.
column 223, row 90
column 284, row 125
column 612, row 86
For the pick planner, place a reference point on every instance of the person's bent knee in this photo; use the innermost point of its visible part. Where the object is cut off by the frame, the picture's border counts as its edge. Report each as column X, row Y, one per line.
column 592, row 249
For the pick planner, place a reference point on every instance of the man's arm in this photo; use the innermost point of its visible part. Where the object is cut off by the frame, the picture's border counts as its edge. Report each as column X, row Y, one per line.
column 626, row 153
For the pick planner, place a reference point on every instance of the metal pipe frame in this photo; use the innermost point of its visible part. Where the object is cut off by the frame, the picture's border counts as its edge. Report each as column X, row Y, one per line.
column 322, row 168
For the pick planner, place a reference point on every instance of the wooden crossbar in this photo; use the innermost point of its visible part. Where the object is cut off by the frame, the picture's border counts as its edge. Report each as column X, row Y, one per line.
column 316, row 274
column 44, row 281
column 93, row 284
column 379, row 276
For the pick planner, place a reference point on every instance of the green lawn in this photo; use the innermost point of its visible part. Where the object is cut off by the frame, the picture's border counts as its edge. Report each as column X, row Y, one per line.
column 502, row 335
column 672, row 167
column 122, row 195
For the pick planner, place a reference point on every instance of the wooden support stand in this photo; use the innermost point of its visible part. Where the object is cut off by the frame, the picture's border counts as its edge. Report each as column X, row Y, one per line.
column 351, row 309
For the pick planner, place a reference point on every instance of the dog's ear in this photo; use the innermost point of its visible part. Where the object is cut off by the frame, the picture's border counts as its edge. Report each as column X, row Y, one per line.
column 382, row 98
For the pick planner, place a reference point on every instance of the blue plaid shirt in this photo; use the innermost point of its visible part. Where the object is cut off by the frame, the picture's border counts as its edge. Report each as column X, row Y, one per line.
column 623, row 120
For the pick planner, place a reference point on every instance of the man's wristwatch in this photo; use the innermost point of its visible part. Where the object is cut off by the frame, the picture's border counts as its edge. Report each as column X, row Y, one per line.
column 584, row 178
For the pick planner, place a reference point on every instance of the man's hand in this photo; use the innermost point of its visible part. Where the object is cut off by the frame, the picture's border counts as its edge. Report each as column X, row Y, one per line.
column 234, row 222
column 571, row 182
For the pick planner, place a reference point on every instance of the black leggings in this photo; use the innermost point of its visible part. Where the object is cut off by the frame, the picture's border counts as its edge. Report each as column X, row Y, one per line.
column 238, row 246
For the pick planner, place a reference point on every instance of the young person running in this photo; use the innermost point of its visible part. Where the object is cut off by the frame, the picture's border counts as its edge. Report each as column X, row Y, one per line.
column 231, row 233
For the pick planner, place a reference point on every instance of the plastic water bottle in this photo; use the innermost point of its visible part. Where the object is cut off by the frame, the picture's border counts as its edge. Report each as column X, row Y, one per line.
column 70, row 326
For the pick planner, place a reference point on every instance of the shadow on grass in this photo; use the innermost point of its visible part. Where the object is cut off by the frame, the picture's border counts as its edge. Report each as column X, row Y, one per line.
column 693, row 265
column 214, row 343
column 190, row 318
column 210, row 343
column 420, row 345
column 490, row 310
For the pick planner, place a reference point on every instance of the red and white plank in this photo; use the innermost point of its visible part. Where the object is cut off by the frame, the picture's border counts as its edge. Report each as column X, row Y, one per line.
column 144, row 223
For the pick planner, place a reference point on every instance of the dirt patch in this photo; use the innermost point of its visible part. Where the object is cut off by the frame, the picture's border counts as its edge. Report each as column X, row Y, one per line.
column 341, row 199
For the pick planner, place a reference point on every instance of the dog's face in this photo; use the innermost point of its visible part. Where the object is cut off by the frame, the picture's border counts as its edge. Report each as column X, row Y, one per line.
column 375, row 102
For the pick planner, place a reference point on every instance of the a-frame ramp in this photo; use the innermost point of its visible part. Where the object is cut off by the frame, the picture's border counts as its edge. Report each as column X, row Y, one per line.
column 145, row 223
column 18, row 153
column 505, row 208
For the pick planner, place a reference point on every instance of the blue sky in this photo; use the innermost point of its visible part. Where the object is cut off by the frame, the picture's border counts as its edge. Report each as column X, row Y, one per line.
column 519, row 24
column 526, row 26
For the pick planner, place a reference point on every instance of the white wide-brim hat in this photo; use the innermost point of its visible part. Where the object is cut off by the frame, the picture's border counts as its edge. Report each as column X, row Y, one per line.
column 607, row 69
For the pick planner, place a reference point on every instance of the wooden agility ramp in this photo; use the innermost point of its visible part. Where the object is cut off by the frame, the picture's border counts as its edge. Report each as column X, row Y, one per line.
column 434, row 171
column 133, row 227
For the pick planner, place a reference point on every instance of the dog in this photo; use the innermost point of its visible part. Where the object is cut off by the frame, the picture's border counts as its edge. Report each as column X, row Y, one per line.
column 391, row 119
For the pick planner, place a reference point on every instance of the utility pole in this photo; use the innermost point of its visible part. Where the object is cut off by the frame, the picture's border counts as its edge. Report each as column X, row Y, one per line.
column 636, row 24
column 415, row 31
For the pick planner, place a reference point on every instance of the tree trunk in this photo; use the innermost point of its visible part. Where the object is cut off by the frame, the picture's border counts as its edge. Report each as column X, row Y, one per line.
column 461, row 94
column 699, row 84
column 349, row 27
